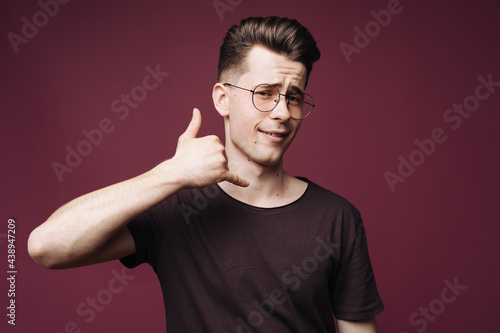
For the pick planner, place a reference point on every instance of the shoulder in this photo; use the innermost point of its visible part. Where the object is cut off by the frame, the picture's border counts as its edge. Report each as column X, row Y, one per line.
column 324, row 196
column 333, row 207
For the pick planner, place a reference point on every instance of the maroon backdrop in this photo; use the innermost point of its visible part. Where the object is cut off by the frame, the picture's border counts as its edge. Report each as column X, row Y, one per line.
column 406, row 127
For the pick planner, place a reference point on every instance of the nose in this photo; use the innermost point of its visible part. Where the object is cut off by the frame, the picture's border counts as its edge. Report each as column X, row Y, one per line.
column 281, row 112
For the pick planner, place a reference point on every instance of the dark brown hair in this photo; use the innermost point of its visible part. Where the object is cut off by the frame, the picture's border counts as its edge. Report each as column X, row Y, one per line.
column 282, row 35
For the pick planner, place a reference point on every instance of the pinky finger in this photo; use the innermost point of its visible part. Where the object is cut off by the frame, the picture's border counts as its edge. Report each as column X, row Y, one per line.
column 236, row 180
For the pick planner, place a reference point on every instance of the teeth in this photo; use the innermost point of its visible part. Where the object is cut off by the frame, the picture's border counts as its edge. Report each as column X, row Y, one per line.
column 274, row 134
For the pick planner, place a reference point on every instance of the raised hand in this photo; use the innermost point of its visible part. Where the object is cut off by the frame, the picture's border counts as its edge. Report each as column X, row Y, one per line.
column 202, row 161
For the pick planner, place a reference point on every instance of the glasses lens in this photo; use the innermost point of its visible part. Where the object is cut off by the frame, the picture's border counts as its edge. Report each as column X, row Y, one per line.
column 300, row 105
column 265, row 97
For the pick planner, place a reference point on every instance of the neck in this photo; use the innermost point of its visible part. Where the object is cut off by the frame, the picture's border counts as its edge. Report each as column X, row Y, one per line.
column 270, row 185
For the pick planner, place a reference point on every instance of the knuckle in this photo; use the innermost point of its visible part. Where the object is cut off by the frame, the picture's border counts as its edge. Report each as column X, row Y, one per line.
column 214, row 138
column 221, row 173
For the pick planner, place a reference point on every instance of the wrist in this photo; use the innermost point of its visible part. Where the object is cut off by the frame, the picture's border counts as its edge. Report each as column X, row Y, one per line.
column 168, row 176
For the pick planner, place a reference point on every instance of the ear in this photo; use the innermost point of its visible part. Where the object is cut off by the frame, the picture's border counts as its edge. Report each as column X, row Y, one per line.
column 220, row 98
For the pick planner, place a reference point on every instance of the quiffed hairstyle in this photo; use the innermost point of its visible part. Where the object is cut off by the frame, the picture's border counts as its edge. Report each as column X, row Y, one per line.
column 282, row 35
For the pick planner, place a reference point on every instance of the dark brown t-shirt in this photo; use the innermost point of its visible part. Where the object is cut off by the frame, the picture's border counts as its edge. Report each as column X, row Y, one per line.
column 225, row 266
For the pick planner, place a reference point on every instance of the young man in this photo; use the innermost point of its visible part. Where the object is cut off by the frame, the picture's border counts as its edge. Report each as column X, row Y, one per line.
column 238, row 244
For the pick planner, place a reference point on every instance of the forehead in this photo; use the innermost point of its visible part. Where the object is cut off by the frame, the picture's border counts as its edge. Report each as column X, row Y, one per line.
column 265, row 66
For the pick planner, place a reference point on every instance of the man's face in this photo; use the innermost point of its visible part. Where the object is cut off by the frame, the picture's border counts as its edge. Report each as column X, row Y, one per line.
column 263, row 137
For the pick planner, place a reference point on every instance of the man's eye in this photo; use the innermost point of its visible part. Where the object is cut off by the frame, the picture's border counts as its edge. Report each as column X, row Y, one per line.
column 296, row 98
column 263, row 93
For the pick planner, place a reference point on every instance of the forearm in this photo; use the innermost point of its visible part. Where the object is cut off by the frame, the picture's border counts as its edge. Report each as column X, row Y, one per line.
column 85, row 224
column 359, row 326
column 91, row 228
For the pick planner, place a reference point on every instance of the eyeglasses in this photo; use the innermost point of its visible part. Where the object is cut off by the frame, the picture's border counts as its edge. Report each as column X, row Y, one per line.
column 265, row 98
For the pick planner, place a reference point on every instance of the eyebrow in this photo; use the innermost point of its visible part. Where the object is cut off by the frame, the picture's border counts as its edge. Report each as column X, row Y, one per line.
column 296, row 88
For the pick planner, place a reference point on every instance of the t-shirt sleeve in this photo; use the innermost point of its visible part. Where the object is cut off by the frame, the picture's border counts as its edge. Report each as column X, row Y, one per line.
column 354, row 293
column 147, row 231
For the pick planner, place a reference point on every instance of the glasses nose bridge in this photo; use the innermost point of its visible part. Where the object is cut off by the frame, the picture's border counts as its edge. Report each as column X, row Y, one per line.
column 278, row 99
column 282, row 113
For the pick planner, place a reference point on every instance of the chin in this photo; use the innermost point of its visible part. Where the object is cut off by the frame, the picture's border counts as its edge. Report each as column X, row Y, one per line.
column 263, row 155
column 268, row 160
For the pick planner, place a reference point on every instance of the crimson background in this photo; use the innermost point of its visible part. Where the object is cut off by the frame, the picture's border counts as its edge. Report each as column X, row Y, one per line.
column 441, row 223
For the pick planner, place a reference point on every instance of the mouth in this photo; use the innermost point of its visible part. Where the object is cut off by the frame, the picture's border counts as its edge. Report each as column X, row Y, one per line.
column 275, row 136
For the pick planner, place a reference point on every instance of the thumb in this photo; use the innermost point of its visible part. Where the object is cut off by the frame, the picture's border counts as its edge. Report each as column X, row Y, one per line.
column 194, row 125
